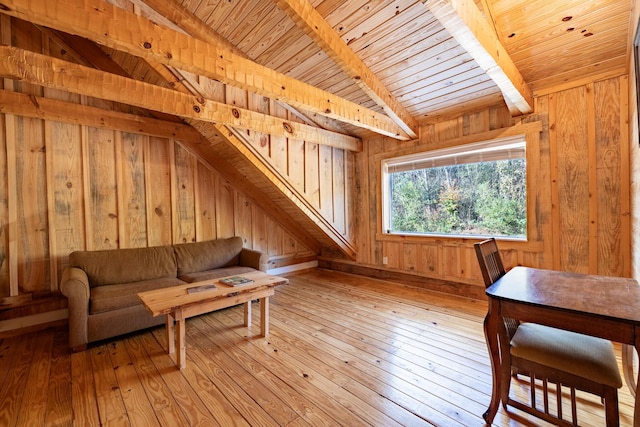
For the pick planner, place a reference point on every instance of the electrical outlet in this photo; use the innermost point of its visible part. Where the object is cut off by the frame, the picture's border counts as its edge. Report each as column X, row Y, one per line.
column 385, row 260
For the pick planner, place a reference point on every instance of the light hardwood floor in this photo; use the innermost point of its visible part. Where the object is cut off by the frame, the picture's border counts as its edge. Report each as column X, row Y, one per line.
column 343, row 350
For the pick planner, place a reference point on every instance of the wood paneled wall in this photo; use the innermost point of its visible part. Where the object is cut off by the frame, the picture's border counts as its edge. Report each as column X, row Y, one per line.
column 78, row 187
column 67, row 186
column 578, row 184
column 634, row 144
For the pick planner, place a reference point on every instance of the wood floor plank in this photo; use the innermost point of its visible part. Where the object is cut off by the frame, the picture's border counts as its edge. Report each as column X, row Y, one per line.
column 241, row 384
column 366, row 385
column 8, row 352
column 58, row 411
column 431, row 352
column 13, row 388
column 83, row 391
column 158, row 393
column 342, row 350
column 34, row 399
column 186, row 396
column 136, row 402
column 377, row 358
column 111, row 408
column 328, row 384
column 223, row 412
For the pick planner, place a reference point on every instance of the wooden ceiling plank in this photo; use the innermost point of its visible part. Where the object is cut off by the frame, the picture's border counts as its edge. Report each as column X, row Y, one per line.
column 465, row 22
column 473, row 102
column 274, row 26
column 460, row 96
column 315, row 26
column 554, row 15
column 379, row 25
column 558, row 39
column 438, row 48
column 572, row 58
column 117, row 28
column 443, row 70
column 429, row 88
column 54, row 73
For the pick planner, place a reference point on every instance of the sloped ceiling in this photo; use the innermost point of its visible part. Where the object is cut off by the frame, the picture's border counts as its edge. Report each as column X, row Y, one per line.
column 349, row 69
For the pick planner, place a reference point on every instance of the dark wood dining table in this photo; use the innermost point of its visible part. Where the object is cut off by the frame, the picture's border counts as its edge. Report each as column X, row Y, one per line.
column 601, row 306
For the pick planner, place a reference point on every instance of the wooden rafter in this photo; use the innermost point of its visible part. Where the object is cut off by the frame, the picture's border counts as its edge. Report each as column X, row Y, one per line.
column 318, row 29
column 50, row 109
column 122, row 30
column 172, row 14
column 54, row 73
column 465, row 23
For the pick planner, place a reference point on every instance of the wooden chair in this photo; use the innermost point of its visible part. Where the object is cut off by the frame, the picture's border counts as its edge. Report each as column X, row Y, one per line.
column 551, row 355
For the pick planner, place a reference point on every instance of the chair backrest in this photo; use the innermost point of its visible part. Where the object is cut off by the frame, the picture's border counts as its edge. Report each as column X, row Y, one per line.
column 490, row 261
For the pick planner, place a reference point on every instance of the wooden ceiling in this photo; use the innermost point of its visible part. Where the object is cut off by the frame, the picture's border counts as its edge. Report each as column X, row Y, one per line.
column 414, row 55
column 345, row 69
column 371, row 65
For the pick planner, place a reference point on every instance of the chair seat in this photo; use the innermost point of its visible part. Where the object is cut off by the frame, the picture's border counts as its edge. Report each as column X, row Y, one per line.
column 588, row 357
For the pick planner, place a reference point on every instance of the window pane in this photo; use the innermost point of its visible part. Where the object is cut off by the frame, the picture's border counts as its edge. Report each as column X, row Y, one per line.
column 486, row 198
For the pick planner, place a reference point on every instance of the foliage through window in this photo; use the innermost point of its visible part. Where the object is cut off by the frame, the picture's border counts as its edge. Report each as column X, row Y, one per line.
column 476, row 190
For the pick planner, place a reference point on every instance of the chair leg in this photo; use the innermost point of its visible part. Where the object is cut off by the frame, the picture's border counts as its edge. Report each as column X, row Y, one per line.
column 574, row 407
column 559, row 399
column 611, row 407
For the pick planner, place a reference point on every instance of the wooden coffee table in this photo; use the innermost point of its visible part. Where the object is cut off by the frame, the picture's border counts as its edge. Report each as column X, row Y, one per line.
column 178, row 304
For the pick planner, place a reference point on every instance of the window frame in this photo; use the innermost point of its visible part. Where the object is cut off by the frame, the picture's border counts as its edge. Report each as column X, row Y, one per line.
column 424, row 156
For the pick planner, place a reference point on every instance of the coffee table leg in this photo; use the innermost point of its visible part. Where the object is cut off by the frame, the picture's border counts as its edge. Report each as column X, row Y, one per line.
column 247, row 313
column 264, row 316
column 171, row 345
column 181, row 354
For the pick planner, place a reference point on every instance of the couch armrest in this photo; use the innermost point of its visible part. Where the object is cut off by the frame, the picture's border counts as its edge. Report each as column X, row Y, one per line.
column 253, row 259
column 75, row 286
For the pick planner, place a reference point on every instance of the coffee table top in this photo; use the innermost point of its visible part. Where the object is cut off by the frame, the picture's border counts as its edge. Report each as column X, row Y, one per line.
column 166, row 300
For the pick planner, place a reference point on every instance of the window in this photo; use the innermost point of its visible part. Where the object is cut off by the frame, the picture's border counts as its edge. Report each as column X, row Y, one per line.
column 472, row 190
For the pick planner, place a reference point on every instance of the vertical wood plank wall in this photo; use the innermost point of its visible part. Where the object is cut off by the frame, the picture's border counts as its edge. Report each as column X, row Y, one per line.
column 66, row 187
column 634, row 144
column 139, row 191
column 578, row 181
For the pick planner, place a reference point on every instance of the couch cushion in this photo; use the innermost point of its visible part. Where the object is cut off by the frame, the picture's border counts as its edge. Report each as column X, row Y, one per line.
column 115, row 266
column 215, row 273
column 113, row 297
column 202, row 256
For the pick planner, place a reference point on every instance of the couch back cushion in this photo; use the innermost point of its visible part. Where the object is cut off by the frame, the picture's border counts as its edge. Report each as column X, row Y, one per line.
column 201, row 256
column 109, row 267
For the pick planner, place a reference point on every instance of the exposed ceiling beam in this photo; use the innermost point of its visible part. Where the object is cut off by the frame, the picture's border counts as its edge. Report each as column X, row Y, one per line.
column 318, row 29
column 51, row 109
column 172, row 14
column 54, row 73
column 465, row 23
column 117, row 28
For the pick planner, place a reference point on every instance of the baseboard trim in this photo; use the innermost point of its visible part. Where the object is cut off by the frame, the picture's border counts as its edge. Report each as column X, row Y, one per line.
column 433, row 284
column 293, row 267
column 35, row 322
